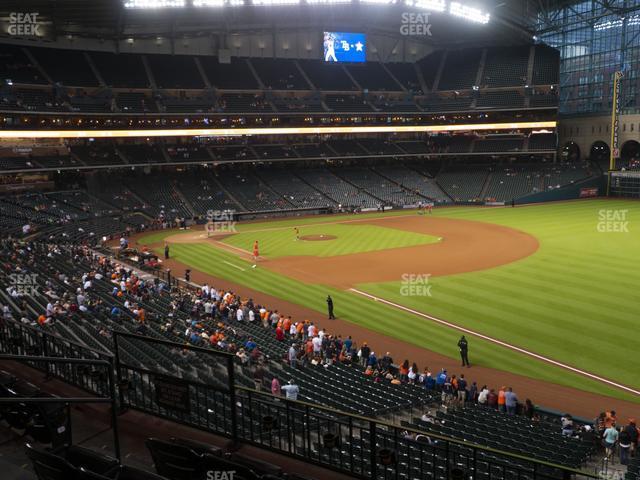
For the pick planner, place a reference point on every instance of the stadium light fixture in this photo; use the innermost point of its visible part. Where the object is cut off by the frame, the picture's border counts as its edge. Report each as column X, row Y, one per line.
column 208, row 3
column 232, row 132
column 468, row 13
column 155, row 3
column 379, row 2
column 598, row 27
column 327, row 2
column 431, row 5
column 268, row 3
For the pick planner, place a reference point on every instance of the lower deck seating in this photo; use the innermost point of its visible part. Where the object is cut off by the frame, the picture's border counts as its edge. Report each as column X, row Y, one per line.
column 294, row 189
column 386, row 191
column 513, row 182
column 463, row 184
column 338, row 190
column 413, row 181
column 161, row 197
column 252, row 193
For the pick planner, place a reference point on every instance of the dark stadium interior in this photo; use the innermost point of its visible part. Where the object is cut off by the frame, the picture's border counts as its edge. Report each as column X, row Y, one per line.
column 499, row 106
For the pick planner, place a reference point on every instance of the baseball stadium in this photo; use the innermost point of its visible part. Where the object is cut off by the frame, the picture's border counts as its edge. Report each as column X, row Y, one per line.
column 319, row 239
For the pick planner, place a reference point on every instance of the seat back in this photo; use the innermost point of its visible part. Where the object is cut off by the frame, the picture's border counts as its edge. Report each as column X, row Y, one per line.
column 88, row 459
column 198, row 447
column 176, row 462
column 123, row 473
column 49, row 466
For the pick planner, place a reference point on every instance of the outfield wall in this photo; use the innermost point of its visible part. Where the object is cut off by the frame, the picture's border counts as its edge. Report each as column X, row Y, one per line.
column 569, row 192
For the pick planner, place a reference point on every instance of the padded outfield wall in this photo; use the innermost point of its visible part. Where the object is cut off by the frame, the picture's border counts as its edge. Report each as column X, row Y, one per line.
column 591, row 187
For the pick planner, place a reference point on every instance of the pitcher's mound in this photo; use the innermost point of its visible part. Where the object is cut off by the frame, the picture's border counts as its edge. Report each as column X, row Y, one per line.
column 317, row 238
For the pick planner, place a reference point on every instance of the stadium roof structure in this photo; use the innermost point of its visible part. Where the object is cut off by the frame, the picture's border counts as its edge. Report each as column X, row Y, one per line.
column 599, row 14
column 459, row 22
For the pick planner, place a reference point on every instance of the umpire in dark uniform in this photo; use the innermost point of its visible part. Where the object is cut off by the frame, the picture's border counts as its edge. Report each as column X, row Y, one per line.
column 463, row 345
column 330, row 307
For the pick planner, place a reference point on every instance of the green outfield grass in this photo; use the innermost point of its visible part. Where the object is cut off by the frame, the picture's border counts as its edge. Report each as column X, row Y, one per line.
column 575, row 300
column 351, row 238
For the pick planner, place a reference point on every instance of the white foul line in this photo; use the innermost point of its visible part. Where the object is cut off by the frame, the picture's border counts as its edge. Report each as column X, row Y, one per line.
column 498, row 342
column 234, row 266
column 226, row 245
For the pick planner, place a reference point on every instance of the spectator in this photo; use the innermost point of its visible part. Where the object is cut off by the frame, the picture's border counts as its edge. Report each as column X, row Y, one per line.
column 501, row 399
column 429, row 382
column 492, row 399
column 413, row 373
column 483, row 395
column 292, row 356
column 447, row 391
column 385, row 362
column 462, row 390
column 624, row 442
column 348, row 343
column 567, row 425
column 610, row 419
column 275, row 387
column 441, row 379
column 609, row 439
column 291, row 390
column 250, row 345
column 365, row 351
column 632, row 430
column 258, row 376
column 404, row 371
column 279, row 334
column 529, row 409
column 316, row 343
column 600, row 424
column 510, row 401
column 473, row 393
column 373, row 360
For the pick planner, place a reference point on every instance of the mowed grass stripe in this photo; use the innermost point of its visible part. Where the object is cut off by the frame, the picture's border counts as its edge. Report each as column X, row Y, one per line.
column 515, row 295
column 575, row 298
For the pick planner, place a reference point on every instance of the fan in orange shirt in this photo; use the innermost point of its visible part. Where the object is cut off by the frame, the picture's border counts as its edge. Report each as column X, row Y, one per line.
column 300, row 329
column 286, row 324
column 501, row 399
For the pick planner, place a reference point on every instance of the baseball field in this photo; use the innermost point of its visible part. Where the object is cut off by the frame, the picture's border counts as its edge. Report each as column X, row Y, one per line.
column 549, row 292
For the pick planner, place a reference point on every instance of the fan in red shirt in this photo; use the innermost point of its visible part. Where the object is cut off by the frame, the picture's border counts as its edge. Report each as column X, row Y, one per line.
column 279, row 334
